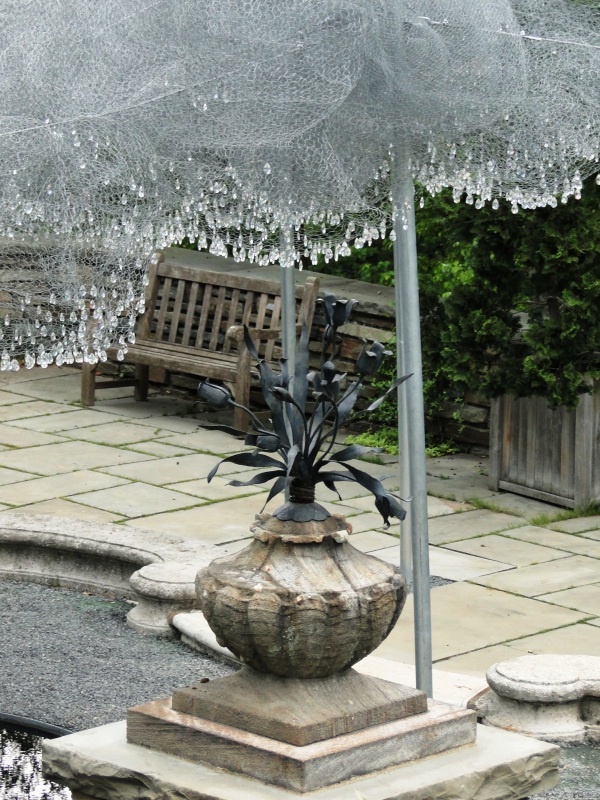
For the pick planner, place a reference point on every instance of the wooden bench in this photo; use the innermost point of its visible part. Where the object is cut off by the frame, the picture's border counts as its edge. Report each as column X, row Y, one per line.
column 193, row 324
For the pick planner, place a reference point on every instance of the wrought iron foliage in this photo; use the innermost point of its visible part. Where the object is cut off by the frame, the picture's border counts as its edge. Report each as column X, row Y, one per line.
column 307, row 411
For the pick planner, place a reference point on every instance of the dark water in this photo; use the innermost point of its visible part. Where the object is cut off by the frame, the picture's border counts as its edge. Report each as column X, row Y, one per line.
column 21, row 768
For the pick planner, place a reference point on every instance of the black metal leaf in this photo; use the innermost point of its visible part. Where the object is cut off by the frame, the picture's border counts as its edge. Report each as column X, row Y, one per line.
column 278, row 486
column 249, row 342
column 331, row 486
column 262, row 477
column 253, row 459
column 376, row 403
column 348, row 401
column 353, row 451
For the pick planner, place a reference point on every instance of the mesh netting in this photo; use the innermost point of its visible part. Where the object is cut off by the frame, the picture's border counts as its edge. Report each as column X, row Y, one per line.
column 127, row 126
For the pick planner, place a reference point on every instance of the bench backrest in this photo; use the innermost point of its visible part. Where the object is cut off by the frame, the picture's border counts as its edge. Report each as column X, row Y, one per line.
column 194, row 308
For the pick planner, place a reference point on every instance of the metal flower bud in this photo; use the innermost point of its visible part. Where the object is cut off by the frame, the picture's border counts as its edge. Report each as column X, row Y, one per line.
column 337, row 312
column 214, row 395
column 268, row 441
column 370, row 358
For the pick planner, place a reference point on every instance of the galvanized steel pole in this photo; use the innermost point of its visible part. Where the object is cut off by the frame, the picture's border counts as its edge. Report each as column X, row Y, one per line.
column 412, row 433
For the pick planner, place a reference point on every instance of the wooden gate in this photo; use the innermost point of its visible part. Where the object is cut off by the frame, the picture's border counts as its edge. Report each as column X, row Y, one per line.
column 551, row 454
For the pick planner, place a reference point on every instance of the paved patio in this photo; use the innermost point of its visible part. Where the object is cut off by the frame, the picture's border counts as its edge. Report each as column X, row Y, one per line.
column 522, row 583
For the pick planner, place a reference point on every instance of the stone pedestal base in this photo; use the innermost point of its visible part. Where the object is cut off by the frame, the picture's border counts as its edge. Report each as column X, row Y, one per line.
column 100, row 763
column 157, row 726
column 296, row 710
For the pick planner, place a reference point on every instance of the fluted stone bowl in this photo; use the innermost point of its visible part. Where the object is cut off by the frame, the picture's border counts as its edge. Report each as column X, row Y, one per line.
column 301, row 601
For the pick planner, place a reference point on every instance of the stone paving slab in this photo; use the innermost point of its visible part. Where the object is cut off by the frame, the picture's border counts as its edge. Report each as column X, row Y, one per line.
column 436, row 507
column 460, row 489
column 467, row 617
column 456, row 465
column 115, row 433
column 68, row 457
column 14, row 436
column 169, row 414
column 216, row 442
column 450, row 565
column 159, row 450
column 510, row 551
column 582, row 598
column 33, row 408
column 454, row 528
column 477, row 662
column 579, row 639
column 8, row 398
column 372, row 541
column 593, row 535
column 39, row 373
column 214, row 523
column 579, row 525
column 61, row 389
column 70, row 420
column 165, row 471
column 53, row 486
column 205, row 523
column 552, row 576
column 13, row 476
column 571, row 543
column 217, row 489
column 364, row 521
column 136, row 500
column 520, row 506
column 65, row 508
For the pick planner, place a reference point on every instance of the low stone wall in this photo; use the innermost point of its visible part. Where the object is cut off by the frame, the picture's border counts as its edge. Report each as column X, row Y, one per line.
column 156, row 571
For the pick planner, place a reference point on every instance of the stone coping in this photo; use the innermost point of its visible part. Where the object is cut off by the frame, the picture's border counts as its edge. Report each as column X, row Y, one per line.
column 156, row 570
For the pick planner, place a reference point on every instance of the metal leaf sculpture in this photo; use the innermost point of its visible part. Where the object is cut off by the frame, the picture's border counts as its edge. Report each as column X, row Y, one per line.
column 298, row 452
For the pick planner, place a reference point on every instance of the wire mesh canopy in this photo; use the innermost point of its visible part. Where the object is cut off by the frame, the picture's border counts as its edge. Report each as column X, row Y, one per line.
column 127, row 126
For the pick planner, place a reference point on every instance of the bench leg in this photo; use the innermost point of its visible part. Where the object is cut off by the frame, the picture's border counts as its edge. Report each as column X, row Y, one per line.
column 141, row 381
column 88, row 384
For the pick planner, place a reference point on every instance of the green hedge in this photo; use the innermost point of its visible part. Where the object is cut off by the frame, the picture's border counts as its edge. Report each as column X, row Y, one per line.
column 510, row 303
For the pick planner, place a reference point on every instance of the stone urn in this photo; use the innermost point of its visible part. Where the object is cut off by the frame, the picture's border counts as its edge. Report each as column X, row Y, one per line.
column 300, row 601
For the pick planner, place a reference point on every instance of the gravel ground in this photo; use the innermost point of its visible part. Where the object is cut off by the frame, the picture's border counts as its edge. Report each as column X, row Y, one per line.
column 68, row 659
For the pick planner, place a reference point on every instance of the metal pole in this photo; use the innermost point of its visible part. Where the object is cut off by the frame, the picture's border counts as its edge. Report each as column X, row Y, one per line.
column 408, row 325
column 403, row 460
column 288, row 300
column 287, row 276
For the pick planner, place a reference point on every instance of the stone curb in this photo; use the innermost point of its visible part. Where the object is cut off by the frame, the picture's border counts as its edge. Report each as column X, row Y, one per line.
column 155, row 570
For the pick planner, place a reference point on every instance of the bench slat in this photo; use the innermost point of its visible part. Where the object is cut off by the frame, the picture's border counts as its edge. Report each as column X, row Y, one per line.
column 163, row 308
column 181, row 286
column 232, row 318
column 206, row 295
column 217, row 317
column 190, row 313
